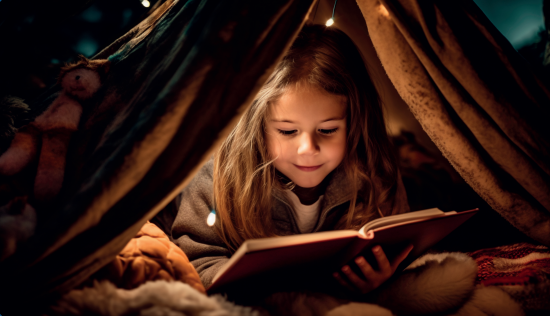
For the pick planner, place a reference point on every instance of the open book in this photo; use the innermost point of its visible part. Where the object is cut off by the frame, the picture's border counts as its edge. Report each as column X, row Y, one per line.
column 256, row 258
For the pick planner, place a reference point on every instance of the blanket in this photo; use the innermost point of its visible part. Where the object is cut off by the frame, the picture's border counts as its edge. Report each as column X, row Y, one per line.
column 521, row 270
column 508, row 280
column 475, row 97
column 176, row 86
column 152, row 298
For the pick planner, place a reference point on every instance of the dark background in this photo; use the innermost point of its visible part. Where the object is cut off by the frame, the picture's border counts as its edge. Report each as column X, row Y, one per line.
column 38, row 37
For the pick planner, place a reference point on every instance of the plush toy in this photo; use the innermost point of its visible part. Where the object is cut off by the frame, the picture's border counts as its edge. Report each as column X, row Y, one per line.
column 17, row 223
column 47, row 137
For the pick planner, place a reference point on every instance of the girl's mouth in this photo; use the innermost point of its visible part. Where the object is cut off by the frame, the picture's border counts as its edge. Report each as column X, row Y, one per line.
column 308, row 168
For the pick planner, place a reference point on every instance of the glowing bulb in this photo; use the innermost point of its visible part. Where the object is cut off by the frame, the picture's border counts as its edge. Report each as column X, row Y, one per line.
column 330, row 22
column 211, row 218
column 146, row 3
column 384, row 11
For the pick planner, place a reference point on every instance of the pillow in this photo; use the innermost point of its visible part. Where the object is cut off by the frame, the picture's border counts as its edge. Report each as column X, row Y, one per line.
column 149, row 256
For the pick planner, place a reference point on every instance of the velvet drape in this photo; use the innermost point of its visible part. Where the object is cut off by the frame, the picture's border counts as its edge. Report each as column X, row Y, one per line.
column 475, row 97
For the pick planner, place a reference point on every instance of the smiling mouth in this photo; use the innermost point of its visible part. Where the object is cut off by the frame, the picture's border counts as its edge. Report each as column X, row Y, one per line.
column 308, row 168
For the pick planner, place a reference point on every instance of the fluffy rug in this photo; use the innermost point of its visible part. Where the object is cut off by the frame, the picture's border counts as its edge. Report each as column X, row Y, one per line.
column 154, row 298
column 441, row 284
column 444, row 284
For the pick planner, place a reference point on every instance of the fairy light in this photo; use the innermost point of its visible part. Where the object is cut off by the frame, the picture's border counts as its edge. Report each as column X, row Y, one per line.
column 146, row 3
column 211, row 218
column 384, row 11
column 331, row 20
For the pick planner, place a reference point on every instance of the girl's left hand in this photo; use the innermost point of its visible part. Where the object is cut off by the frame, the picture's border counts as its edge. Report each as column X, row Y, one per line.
column 372, row 278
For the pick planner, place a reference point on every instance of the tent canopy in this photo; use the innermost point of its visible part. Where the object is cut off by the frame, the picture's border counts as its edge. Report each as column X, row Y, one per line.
column 180, row 80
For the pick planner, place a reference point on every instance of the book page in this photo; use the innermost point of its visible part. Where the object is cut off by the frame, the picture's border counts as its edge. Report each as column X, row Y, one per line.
column 401, row 218
column 284, row 241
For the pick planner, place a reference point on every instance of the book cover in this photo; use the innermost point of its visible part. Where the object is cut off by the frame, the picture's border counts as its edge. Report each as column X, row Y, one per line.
column 262, row 259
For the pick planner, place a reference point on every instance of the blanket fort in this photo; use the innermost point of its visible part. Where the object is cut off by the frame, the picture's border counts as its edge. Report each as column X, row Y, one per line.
column 196, row 64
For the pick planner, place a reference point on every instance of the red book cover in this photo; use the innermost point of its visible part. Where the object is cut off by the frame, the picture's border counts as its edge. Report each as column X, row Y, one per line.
column 328, row 251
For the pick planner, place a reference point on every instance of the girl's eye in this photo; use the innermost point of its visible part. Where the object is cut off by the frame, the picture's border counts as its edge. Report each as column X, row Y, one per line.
column 287, row 132
column 327, row 131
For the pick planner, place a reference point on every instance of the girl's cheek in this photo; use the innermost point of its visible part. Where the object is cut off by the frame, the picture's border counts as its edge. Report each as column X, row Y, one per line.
column 274, row 146
column 338, row 147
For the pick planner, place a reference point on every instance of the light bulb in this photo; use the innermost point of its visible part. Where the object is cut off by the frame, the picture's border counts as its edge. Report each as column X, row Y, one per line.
column 211, row 218
column 330, row 22
column 384, row 11
column 146, row 3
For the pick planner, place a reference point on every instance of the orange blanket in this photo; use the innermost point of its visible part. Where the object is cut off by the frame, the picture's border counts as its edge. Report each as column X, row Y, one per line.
column 149, row 256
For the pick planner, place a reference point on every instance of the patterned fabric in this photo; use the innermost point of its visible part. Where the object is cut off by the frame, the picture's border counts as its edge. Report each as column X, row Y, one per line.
column 522, row 270
column 517, row 264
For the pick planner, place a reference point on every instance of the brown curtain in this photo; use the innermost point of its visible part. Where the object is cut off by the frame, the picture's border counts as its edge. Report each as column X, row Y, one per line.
column 475, row 97
column 177, row 85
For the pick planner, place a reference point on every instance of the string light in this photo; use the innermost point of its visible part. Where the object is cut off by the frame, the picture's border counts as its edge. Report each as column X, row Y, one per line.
column 384, row 11
column 331, row 20
column 146, row 3
column 211, row 218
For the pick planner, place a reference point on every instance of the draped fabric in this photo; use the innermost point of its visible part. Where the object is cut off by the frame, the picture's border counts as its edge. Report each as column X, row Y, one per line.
column 179, row 81
column 475, row 97
column 176, row 86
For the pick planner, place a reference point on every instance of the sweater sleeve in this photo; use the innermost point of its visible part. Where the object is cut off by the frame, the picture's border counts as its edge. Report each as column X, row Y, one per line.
column 200, row 242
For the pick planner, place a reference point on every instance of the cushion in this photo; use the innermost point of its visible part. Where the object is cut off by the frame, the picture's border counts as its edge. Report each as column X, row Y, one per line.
column 149, row 256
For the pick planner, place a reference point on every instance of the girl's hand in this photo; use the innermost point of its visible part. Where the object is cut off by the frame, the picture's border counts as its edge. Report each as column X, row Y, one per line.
column 373, row 277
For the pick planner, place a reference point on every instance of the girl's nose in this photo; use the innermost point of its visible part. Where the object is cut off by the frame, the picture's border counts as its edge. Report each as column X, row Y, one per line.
column 308, row 145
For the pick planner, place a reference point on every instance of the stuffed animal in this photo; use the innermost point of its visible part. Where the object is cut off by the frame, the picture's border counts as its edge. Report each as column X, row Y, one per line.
column 17, row 223
column 47, row 137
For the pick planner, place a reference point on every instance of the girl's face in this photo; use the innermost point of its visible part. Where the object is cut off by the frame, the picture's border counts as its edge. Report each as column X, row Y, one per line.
column 306, row 131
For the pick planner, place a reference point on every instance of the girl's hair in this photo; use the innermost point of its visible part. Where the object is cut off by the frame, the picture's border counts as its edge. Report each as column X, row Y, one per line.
column 244, row 176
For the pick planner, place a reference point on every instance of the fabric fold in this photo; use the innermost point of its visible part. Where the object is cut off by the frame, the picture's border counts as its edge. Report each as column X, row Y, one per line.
column 177, row 85
column 476, row 99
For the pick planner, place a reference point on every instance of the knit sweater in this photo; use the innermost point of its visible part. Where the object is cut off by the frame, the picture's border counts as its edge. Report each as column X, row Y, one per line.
column 184, row 220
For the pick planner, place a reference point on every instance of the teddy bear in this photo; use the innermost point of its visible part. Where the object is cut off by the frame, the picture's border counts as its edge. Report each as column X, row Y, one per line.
column 46, row 139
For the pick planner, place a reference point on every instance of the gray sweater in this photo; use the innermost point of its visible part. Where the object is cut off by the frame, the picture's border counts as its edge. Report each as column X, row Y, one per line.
column 184, row 220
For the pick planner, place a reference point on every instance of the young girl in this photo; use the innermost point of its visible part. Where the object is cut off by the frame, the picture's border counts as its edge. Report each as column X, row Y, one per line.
column 310, row 154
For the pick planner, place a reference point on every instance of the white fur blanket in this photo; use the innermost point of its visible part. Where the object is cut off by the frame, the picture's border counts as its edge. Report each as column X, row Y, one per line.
column 154, row 298
column 442, row 284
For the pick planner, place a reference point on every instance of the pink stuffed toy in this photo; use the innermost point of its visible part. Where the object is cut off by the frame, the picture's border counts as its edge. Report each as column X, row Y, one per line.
column 50, row 133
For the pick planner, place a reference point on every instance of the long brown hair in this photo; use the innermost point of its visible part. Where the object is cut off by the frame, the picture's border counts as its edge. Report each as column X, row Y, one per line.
column 244, row 176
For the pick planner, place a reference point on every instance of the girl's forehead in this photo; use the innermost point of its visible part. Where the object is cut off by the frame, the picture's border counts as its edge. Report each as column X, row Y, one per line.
column 307, row 102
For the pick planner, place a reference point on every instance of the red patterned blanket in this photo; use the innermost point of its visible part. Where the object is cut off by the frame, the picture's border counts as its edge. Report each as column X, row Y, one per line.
column 522, row 270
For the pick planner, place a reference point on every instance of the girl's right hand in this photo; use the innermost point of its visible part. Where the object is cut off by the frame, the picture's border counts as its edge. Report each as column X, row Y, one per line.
column 371, row 278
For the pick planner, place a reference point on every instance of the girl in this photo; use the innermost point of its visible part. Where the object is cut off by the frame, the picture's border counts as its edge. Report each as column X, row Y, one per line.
column 311, row 154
